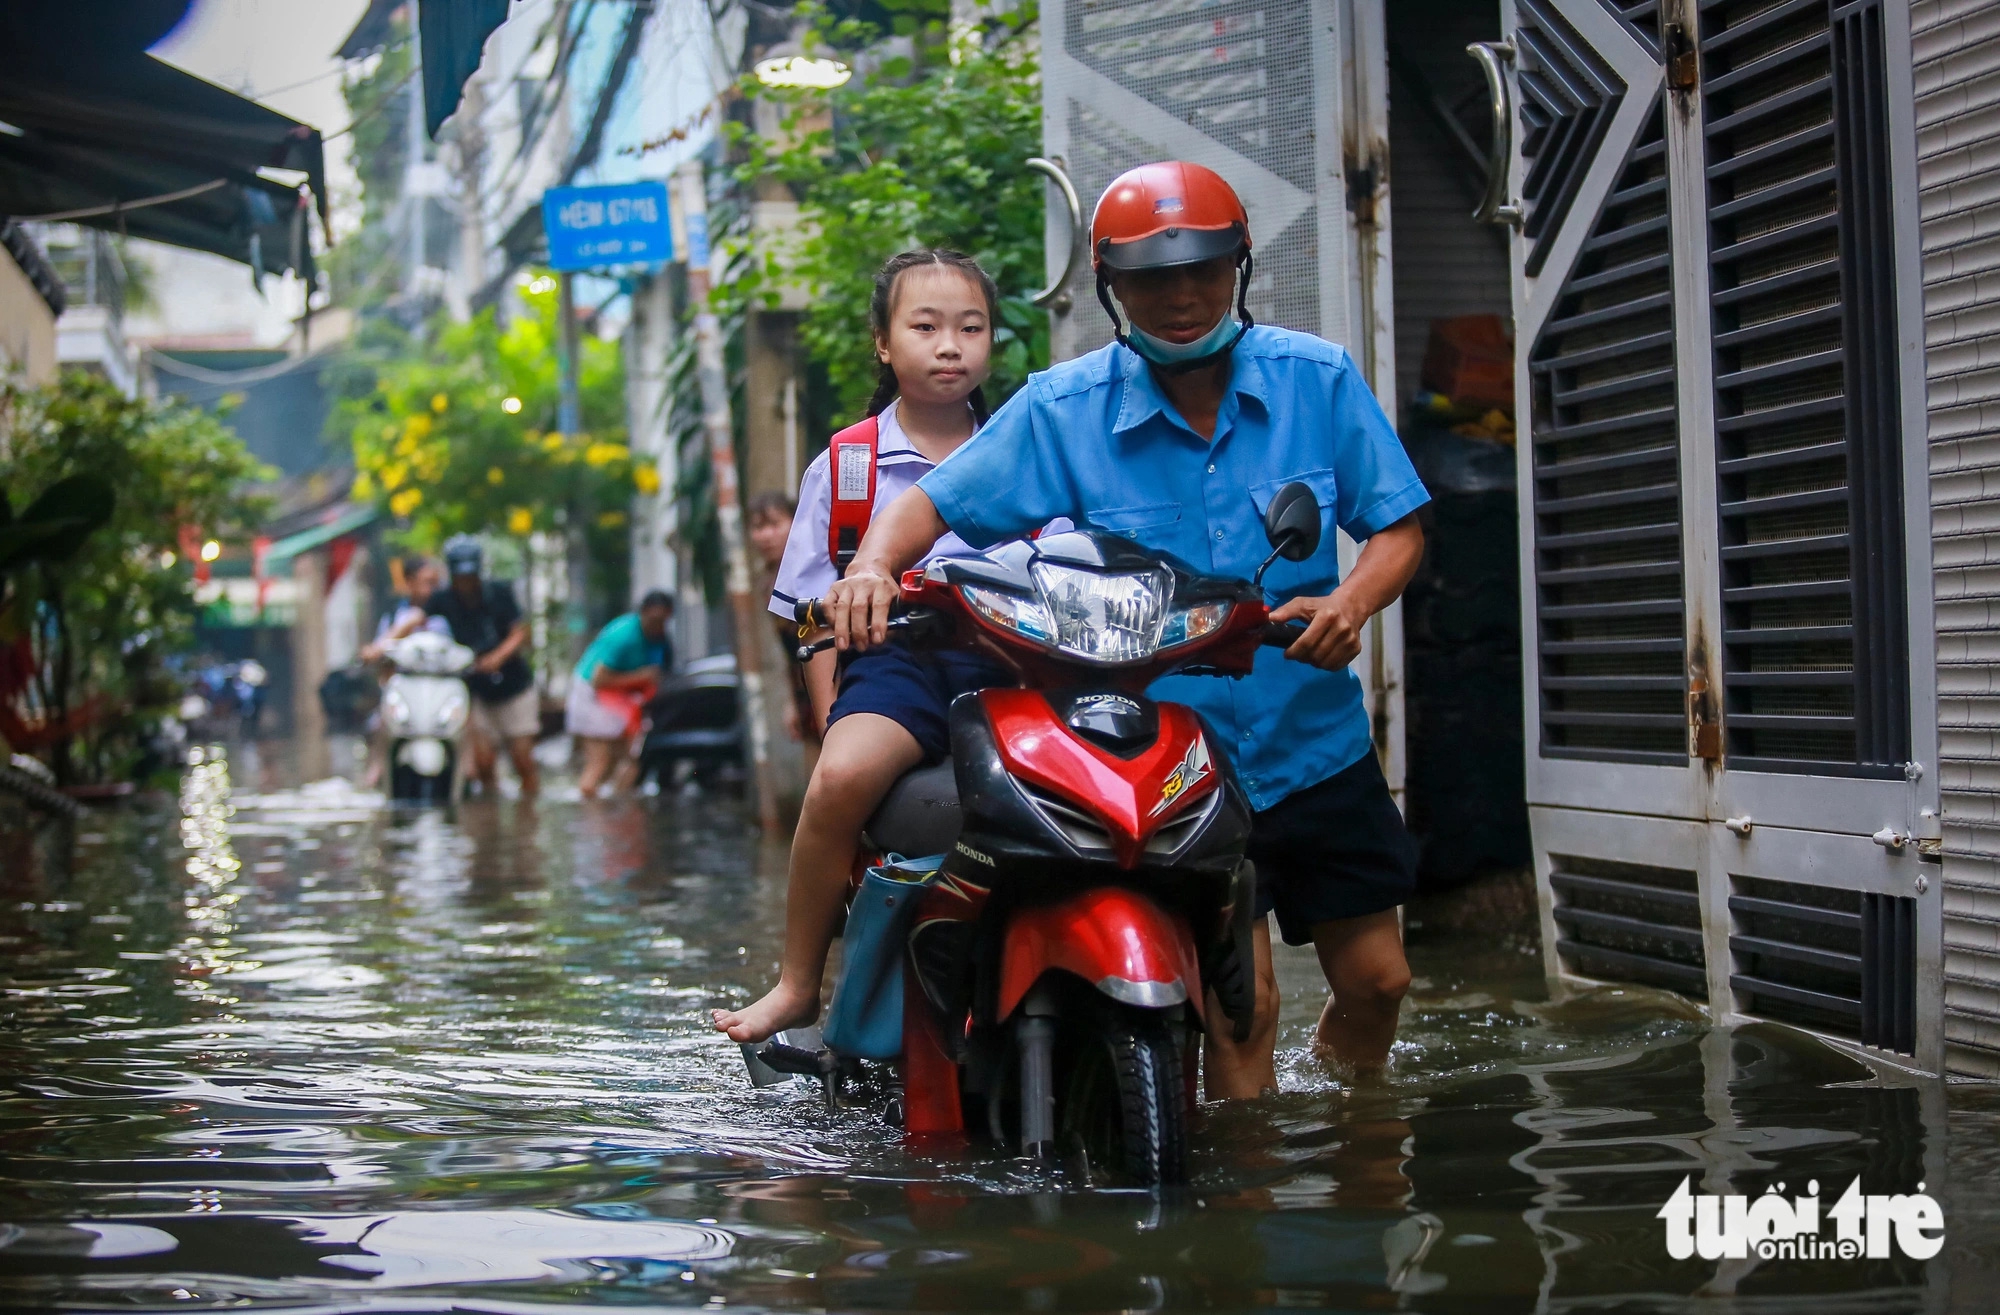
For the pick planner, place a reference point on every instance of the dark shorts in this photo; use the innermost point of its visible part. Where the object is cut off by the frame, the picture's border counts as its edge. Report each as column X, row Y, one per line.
column 1338, row 849
column 914, row 690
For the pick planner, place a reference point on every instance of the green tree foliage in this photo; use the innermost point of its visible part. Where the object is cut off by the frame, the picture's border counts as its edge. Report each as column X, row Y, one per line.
column 84, row 638
column 459, row 434
column 918, row 152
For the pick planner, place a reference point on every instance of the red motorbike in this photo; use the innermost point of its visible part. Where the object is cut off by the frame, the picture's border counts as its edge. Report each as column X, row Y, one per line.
column 1093, row 892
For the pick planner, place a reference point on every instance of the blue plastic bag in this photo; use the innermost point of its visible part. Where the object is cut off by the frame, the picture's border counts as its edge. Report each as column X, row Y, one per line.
column 866, row 1020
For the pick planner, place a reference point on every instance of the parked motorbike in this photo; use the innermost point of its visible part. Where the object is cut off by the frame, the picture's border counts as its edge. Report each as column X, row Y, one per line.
column 694, row 718
column 225, row 696
column 424, row 707
column 1093, row 887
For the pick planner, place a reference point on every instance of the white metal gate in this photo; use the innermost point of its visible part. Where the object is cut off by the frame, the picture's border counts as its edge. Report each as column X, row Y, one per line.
column 1287, row 99
column 1732, row 740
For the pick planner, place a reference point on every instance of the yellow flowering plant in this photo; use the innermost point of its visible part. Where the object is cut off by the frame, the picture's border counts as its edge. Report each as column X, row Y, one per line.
column 458, row 432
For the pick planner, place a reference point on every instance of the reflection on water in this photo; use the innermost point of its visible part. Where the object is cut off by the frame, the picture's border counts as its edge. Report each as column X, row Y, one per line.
column 292, row 1049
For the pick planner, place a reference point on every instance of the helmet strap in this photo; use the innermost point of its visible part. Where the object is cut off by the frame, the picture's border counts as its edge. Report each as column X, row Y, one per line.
column 1243, row 267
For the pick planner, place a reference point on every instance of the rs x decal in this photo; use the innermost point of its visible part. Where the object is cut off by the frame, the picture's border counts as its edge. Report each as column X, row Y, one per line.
column 1191, row 770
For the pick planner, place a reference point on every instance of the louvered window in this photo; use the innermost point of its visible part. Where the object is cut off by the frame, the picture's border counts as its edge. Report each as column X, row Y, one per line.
column 1608, row 574
column 1629, row 922
column 1568, row 95
column 1838, row 961
column 1807, row 435
column 1641, row 18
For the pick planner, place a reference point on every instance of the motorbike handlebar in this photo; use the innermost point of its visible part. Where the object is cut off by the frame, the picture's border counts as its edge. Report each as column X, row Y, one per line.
column 810, row 612
column 902, row 616
column 1283, row 636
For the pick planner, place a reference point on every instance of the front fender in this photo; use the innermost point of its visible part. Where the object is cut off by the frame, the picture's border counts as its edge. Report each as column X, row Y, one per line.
column 1118, row 940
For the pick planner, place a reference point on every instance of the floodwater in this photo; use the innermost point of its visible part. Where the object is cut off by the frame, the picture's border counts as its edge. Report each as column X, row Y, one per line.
column 294, row 1051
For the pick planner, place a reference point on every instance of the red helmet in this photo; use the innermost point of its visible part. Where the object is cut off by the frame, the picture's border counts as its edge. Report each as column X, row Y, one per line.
column 1170, row 213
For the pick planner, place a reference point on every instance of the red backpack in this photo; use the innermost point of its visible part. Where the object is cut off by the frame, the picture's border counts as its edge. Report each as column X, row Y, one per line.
column 850, row 468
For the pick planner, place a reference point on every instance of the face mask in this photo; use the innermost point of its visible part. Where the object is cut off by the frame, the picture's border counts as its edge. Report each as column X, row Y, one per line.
column 1161, row 352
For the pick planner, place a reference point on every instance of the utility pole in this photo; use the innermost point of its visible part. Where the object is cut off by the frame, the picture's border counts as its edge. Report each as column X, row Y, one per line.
column 414, row 192
column 716, row 423
column 567, row 409
column 569, row 419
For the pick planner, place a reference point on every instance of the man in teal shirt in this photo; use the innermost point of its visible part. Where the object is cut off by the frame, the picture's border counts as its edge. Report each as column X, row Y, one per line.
column 612, row 682
column 1177, row 435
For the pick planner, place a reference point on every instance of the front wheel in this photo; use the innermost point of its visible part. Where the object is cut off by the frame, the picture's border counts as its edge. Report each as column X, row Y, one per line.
column 1125, row 1102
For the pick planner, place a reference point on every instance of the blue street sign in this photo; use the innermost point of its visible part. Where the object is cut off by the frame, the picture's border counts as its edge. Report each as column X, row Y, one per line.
column 622, row 224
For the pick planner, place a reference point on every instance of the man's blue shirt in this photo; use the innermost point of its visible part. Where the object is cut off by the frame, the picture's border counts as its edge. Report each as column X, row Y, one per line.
column 1094, row 439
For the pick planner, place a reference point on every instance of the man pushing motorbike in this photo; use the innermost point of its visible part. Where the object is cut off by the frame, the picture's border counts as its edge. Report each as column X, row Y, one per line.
column 1177, row 435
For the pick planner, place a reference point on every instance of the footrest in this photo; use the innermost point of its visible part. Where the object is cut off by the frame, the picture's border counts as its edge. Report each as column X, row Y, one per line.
column 795, row 1052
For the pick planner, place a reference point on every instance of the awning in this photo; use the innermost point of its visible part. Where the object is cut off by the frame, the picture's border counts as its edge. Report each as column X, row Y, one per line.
column 101, row 133
column 346, row 520
column 245, row 218
column 452, row 34
column 372, row 31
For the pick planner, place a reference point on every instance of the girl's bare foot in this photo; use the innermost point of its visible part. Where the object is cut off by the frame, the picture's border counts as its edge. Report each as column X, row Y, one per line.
column 785, row 1006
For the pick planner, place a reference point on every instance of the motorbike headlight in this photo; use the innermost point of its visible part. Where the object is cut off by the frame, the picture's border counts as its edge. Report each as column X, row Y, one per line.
column 1012, row 612
column 1192, row 623
column 451, row 707
column 395, row 708
column 1105, row 618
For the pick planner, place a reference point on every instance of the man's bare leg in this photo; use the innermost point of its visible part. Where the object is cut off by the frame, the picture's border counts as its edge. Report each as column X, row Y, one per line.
column 1244, row 1070
column 521, row 748
column 864, row 754
column 485, row 758
column 1364, row 964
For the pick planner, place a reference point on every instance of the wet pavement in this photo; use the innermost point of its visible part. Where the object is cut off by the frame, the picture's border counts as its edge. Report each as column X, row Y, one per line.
column 294, row 1050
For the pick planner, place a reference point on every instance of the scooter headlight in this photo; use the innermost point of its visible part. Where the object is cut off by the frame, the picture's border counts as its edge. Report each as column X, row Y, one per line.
column 1105, row 618
column 396, row 714
column 452, row 706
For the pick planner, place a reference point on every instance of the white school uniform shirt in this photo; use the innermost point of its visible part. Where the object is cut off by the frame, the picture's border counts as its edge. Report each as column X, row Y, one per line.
column 806, row 571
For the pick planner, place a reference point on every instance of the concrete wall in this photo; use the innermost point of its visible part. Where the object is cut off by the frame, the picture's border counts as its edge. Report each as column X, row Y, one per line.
column 27, row 326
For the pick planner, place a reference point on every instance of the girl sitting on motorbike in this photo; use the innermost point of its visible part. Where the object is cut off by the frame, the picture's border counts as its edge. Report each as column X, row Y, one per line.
column 932, row 314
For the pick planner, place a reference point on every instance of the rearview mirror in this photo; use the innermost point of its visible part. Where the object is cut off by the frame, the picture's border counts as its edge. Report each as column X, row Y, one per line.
column 1291, row 524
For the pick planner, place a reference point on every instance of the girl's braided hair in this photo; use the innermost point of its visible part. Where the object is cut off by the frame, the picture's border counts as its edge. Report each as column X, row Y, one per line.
column 884, row 299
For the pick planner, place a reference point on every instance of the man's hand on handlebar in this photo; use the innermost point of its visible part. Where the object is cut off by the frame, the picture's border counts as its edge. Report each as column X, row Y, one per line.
column 1332, row 637
column 857, row 608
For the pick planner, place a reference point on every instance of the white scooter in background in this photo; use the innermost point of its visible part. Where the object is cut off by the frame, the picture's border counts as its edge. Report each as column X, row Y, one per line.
column 424, row 707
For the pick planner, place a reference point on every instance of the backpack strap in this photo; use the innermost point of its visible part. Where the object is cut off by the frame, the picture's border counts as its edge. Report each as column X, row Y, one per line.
column 851, row 472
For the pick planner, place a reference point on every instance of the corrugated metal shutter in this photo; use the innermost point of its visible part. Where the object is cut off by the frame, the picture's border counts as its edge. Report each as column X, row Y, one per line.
column 1237, row 72
column 1957, row 52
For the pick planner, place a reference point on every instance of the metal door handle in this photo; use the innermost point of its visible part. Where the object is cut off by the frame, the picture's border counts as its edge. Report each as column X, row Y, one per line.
column 1495, row 208
column 1056, row 296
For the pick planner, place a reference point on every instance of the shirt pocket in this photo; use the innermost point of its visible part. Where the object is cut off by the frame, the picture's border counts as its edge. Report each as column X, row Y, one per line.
column 1148, row 519
column 1321, row 571
column 1320, row 481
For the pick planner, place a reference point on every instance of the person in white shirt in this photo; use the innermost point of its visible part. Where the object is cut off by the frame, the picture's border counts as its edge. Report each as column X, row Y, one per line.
column 933, row 314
